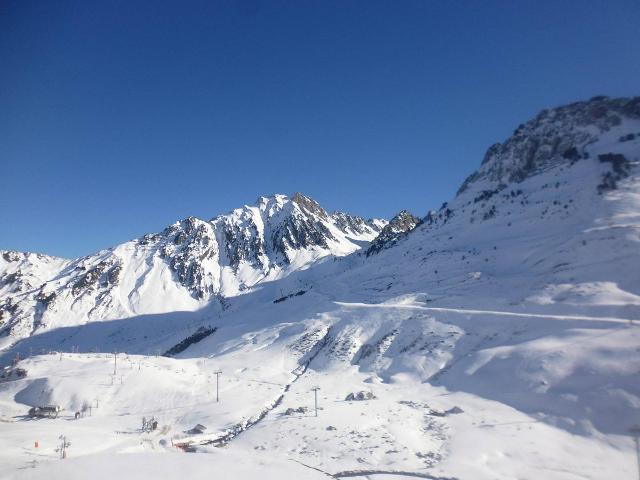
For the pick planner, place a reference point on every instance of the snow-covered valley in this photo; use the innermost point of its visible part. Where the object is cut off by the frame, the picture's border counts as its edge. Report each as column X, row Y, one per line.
column 497, row 337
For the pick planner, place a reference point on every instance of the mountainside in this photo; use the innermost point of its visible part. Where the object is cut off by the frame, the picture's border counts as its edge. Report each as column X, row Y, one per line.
column 183, row 267
column 556, row 203
column 495, row 338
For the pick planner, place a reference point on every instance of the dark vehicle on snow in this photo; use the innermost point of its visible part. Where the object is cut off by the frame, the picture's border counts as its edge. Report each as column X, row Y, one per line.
column 46, row 411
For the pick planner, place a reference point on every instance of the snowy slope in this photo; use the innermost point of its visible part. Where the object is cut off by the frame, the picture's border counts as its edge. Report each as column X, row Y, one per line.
column 184, row 267
column 497, row 339
column 23, row 277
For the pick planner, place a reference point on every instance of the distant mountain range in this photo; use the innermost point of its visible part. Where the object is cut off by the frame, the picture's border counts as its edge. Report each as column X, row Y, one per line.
column 185, row 266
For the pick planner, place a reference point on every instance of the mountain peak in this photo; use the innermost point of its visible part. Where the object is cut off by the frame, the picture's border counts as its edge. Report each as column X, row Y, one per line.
column 399, row 226
column 309, row 204
column 560, row 135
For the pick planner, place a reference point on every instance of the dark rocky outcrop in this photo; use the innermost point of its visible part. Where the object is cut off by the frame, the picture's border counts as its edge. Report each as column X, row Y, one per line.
column 398, row 227
column 185, row 245
column 360, row 396
column 300, row 232
column 199, row 335
column 620, row 166
column 352, row 224
column 104, row 274
column 309, row 205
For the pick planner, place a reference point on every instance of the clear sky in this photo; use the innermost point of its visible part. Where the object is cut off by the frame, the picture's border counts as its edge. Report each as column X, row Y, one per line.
column 119, row 117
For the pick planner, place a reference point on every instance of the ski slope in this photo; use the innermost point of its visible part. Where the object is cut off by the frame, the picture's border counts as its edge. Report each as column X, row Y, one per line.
column 516, row 393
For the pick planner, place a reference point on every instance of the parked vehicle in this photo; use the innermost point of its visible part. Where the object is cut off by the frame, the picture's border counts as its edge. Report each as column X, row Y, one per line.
column 46, row 411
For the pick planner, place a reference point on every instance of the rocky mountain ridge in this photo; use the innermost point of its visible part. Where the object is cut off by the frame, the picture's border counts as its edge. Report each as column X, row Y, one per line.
column 556, row 136
column 190, row 262
column 399, row 226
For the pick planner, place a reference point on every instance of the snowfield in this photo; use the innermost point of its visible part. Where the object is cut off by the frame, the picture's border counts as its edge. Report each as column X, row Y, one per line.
column 498, row 337
column 457, row 395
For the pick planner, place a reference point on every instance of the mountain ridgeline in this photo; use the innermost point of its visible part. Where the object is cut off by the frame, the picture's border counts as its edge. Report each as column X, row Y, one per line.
column 183, row 267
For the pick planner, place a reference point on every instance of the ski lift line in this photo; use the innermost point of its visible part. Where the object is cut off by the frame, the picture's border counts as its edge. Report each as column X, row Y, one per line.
column 463, row 311
column 313, row 468
column 252, row 421
column 260, row 381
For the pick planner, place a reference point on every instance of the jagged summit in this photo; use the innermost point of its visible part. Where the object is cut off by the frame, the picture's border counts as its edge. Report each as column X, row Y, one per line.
column 309, row 205
column 398, row 227
column 276, row 228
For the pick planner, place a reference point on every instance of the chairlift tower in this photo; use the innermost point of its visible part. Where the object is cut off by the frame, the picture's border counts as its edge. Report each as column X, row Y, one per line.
column 217, row 374
column 315, row 392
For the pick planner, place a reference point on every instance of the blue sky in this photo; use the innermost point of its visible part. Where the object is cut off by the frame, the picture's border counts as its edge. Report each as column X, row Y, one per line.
column 118, row 118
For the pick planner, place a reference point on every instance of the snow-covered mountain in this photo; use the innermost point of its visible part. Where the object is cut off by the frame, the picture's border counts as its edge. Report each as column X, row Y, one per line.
column 549, row 223
column 398, row 227
column 495, row 338
column 181, row 268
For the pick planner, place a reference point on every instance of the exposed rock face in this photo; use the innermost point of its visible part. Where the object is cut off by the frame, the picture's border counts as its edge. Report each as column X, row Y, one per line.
column 294, row 411
column 105, row 273
column 302, row 230
column 188, row 246
column 309, row 205
column 353, row 225
column 243, row 245
column 398, row 227
column 554, row 136
column 199, row 335
column 360, row 396
column 620, row 166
